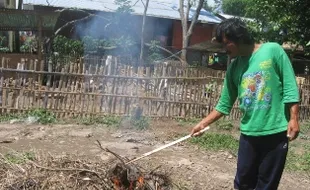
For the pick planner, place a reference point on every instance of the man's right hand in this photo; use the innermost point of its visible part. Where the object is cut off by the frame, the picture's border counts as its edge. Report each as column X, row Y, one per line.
column 212, row 117
column 196, row 131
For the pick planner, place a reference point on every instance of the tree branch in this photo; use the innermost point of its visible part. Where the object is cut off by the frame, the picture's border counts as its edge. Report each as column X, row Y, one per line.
column 188, row 8
column 166, row 50
column 195, row 17
column 181, row 11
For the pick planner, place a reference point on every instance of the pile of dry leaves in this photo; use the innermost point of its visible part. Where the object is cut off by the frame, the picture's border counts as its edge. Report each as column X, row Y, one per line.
column 41, row 171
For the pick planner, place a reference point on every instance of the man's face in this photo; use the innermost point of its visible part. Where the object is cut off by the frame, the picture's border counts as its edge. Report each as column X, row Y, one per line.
column 230, row 47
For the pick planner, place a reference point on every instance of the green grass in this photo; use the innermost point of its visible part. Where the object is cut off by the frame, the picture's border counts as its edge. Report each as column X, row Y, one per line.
column 224, row 125
column 41, row 115
column 189, row 121
column 298, row 158
column 216, row 142
column 19, row 158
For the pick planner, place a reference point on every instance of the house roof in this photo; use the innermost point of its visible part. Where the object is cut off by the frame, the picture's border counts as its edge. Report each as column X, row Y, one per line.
column 227, row 16
column 14, row 20
column 157, row 8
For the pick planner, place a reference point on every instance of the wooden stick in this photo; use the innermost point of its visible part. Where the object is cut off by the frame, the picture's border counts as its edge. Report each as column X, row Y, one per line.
column 165, row 146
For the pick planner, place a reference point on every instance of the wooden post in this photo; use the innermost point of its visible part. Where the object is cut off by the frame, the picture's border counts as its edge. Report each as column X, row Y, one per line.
column 40, row 38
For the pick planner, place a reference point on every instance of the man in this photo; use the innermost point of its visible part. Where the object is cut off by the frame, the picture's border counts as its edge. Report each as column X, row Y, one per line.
column 262, row 78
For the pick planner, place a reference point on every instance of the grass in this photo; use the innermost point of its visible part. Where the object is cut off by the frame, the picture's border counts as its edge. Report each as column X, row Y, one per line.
column 110, row 121
column 19, row 158
column 298, row 158
column 44, row 117
column 216, row 142
column 189, row 121
column 41, row 116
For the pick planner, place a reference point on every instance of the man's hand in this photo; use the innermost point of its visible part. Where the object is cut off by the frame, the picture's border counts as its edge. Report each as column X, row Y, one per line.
column 292, row 129
column 212, row 117
column 196, row 131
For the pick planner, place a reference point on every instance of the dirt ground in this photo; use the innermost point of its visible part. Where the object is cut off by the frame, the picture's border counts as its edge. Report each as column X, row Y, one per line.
column 189, row 166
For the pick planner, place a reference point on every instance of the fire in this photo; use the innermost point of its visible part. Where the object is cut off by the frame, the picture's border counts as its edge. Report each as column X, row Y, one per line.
column 117, row 183
column 141, row 181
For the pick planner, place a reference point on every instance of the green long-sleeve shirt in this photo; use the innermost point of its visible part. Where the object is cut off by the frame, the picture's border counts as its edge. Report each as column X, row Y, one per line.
column 263, row 83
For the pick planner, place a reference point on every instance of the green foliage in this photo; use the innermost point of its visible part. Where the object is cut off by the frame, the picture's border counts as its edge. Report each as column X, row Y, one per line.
column 215, row 142
column 140, row 123
column 235, row 7
column 44, row 116
column 154, row 52
column 276, row 20
column 67, row 47
column 278, row 16
column 9, row 116
column 19, row 158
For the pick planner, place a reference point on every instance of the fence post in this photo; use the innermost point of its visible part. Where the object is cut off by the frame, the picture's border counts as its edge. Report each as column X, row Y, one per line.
column 1, row 84
column 48, row 84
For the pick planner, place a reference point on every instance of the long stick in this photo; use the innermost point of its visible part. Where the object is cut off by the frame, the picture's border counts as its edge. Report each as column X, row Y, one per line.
column 165, row 146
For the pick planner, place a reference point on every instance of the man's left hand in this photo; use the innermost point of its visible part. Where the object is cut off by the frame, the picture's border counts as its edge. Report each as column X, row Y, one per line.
column 293, row 129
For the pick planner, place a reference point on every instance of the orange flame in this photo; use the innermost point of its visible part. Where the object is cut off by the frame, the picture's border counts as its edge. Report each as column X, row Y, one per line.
column 117, row 183
column 141, row 181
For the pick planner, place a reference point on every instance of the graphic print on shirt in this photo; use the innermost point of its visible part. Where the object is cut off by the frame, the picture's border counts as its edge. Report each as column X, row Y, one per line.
column 255, row 93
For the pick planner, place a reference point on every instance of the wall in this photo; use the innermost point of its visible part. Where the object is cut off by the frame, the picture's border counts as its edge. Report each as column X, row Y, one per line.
column 200, row 33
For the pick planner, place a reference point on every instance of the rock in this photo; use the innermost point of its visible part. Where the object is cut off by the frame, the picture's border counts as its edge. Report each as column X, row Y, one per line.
column 230, row 157
column 213, row 157
column 117, row 135
column 89, row 135
column 131, row 140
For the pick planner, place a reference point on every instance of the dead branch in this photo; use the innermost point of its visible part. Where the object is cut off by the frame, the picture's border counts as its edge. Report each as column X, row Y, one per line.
column 109, row 151
column 166, row 50
column 65, row 169
column 90, row 15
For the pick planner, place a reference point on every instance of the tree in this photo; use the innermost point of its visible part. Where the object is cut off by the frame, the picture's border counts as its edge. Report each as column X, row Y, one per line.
column 187, row 31
column 282, row 20
column 235, row 7
column 143, row 29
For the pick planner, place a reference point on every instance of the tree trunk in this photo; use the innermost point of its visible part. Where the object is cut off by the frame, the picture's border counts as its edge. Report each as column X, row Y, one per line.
column 17, row 40
column 187, row 31
column 143, row 31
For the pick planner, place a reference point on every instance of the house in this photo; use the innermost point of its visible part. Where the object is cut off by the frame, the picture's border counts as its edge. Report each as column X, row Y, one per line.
column 163, row 20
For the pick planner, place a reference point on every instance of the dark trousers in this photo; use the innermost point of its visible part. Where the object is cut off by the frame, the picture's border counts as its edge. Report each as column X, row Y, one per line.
column 261, row 161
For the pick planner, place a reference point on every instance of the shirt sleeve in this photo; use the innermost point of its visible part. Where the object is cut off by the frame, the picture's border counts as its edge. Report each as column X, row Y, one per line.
column 228, row 96
column 287, row 77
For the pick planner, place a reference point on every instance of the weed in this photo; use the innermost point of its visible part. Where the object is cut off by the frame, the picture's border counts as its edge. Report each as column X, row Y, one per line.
column 189, row 121
column 225, row 125
column 140, row 123
column 110, row 121
column 44, row 116
column 9, row 116
column 19, row 158
column 215, row 142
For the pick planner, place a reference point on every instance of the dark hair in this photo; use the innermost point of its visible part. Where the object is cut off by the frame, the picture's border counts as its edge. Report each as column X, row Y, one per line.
column 234, row 30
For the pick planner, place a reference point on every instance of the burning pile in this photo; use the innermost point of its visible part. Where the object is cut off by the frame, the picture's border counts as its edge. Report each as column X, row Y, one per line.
column 19, row 172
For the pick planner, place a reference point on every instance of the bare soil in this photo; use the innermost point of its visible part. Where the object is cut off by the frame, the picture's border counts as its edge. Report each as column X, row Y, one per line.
column 189, row 166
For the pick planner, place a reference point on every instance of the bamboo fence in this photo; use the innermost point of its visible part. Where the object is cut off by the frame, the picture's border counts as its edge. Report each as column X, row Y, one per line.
column 103, row 86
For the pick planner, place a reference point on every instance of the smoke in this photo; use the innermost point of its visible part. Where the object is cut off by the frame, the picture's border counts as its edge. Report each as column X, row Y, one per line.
column 122, row 31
